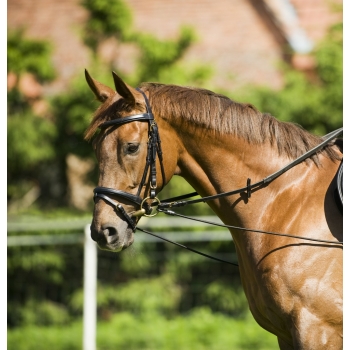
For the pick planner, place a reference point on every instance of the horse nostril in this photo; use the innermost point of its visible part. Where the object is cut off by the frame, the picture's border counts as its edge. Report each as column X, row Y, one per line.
column 109, row 231
column 104, row 233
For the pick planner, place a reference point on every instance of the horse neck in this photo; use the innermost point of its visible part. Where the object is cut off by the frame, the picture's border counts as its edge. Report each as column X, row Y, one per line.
column 214, row 164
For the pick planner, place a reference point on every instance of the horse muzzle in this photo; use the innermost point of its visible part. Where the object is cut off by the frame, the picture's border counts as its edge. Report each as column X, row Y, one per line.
column 112, row 238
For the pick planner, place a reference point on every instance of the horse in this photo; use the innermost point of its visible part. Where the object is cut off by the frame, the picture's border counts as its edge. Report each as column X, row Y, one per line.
column 144, row 136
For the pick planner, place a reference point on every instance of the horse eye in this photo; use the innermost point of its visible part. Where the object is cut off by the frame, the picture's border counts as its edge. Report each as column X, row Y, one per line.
column 132, row 147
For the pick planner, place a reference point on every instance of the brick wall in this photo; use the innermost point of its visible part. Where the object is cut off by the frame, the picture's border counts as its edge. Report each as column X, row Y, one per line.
column 58, row 22
column 233, row 36
column 316, row 16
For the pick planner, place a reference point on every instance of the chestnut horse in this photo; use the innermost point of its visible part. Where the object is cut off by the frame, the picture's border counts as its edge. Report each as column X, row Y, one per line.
column 293, row 286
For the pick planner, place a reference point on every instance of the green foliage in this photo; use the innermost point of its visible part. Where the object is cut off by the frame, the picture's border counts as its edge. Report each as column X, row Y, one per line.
column 39, row 275
column 43, row 338
column 225, row 298
column 107, row 18
column 182, row 265
column 157, row 60
column 29, row 141
column 161, row 60
column 43, row 313
column 157, row 55
column 186, row 74
column 29, row 137
column 329, row 57
column 30, row 149
column 33, row 56
column 136, row 262
column 199, row 330
column 38, row 260
column 73, row 112
column 142, row 296
column 317, row 103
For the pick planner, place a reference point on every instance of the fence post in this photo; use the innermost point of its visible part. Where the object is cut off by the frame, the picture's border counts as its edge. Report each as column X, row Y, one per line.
column 90, row 290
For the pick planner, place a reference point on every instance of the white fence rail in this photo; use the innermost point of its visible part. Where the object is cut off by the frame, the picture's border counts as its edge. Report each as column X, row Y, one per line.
column 90, row 250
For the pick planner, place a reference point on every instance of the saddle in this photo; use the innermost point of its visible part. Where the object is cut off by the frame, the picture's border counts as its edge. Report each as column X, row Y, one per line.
column 338, row 191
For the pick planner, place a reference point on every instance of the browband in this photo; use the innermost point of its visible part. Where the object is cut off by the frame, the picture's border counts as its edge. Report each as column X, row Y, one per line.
column 133, row 118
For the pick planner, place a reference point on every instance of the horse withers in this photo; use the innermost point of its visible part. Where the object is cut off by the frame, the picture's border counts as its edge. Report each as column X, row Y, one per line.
column 147, row 135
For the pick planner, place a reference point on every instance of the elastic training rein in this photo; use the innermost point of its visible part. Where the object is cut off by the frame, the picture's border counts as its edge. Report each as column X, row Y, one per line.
column 148, row 210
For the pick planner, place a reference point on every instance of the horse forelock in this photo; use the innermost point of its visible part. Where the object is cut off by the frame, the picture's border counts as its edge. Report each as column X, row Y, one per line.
column 109, row 110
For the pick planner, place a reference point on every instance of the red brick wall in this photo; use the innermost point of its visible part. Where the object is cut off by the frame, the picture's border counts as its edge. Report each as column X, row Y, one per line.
column 233, row 37
column 316, row 16
column 58, row 22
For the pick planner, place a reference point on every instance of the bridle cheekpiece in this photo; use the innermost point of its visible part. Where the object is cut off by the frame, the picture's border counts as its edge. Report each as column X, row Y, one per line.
column 154, row 149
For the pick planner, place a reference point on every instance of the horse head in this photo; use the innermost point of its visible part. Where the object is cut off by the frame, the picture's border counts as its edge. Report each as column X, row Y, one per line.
column 129, row 155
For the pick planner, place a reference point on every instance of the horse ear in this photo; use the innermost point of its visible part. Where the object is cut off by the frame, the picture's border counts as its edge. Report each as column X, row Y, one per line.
column 102, row 92
column 125, row 91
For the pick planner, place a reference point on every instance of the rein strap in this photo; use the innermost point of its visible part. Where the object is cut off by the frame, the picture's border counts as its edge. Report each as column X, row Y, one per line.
column 173, row 202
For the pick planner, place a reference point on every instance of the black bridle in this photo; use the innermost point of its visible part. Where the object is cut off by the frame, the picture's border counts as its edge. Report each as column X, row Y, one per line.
column 154, row 149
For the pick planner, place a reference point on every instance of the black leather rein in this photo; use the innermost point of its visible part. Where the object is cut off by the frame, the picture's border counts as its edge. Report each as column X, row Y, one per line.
column 176, row 202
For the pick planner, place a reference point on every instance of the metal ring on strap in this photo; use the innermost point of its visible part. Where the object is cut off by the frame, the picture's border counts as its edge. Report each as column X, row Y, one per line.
column 156, row 212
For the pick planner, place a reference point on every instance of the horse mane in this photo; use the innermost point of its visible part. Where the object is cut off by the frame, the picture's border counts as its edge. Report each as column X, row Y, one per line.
column 219, row 114
column 222, row 115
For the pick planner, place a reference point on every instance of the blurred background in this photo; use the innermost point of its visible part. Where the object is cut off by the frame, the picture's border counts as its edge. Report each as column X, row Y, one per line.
column 283, row 56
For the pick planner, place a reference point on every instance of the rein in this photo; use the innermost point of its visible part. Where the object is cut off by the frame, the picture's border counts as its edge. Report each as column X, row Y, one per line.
column 170, row 212
column 154, row 150
column 173, row 202
column 185, row 247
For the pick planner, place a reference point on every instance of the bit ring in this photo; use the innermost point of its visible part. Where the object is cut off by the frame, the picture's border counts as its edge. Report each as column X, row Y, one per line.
column 150, row 215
